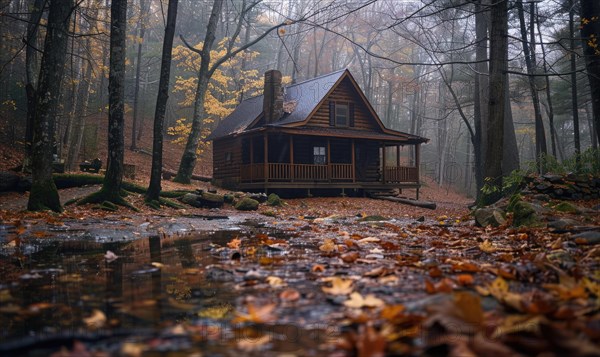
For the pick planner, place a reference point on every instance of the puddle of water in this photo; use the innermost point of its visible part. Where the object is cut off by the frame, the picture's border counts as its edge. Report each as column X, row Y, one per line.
column 52, row 292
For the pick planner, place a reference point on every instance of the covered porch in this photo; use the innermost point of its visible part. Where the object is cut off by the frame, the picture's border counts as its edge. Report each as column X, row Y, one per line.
column 289, row 160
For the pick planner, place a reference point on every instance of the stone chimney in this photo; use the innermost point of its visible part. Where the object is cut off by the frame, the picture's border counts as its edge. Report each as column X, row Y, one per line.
column 273, row 96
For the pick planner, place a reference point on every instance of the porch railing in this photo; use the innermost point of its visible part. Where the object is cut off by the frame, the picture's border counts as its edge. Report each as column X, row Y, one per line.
column 308, row 172
column 401, row 174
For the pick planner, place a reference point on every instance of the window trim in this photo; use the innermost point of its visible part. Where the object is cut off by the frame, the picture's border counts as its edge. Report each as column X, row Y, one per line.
column 337, row 106
column 316, row 155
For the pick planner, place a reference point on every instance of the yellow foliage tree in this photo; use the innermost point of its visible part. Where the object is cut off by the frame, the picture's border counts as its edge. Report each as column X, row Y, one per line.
column 228, row 84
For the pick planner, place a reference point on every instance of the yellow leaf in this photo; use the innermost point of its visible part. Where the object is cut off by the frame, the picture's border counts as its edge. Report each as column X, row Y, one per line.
column 328, row 246
column 275, row 281
column 216, row 312
column 97, row 320
column 339, row 286
column 357, row 301
column 256, row 314
column 234, row 243
column 487, row 247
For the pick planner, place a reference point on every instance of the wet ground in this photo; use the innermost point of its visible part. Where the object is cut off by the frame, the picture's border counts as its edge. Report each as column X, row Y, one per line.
column 212, row 285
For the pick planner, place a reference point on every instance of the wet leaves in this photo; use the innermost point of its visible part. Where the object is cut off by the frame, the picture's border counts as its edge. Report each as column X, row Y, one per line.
column 338, row 286
column 256, row 314
column 358, row 301
column 438, row 286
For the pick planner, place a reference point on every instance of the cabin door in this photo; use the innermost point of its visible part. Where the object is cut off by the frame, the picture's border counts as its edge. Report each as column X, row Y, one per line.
column 360, row 154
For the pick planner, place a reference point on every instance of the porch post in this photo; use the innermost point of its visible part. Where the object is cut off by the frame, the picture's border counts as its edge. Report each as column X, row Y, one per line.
column 292, row 158
column 353, row 163
column 397, row 156
column 251, row 158
column 383, row 161
column 417, row 164
column 266, row 157
column 328, row 160
column 418, row 160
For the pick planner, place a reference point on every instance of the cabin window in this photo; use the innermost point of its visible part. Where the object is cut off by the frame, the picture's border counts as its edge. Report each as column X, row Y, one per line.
column 228, row 157
column 341, row 114
column 319, row 155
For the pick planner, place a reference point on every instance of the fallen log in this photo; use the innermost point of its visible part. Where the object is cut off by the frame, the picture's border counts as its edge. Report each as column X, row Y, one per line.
column 168, row 174
column 422, row 204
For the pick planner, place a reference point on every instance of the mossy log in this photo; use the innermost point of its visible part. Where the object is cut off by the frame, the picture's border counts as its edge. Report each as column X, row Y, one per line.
column 406, row 201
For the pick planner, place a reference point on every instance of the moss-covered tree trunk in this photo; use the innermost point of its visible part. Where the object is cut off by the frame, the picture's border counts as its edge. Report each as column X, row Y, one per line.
column 116, row 98
column 161, row 104
column 44, row 194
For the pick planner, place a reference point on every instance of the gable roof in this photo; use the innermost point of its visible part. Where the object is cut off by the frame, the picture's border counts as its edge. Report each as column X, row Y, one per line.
column 302, row 100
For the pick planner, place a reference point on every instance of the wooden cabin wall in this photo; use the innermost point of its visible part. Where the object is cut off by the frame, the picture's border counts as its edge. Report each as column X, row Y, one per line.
column 345, row 92
column 341, row 151
column 303, row 148
column 279, row 148
column 227, row 158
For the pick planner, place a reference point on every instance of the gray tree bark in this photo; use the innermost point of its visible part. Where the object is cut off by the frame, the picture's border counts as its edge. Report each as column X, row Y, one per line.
column 161, row 104
column 44, row 194
column 497, row 99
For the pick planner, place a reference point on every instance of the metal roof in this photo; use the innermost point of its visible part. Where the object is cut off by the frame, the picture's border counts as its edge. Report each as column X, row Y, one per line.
column 306, row 95
column 301, row 99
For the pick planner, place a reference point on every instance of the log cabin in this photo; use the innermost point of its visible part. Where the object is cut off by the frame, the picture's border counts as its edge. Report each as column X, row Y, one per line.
column 316, row 136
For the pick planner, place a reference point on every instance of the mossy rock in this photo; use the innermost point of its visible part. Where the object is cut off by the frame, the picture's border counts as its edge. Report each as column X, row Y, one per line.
column 274, row 200
column 190, row 199
column 247, row 204
column 489, row 216
column 228, row 198
column 211, row 200
column 524, row 214
column 566, row 207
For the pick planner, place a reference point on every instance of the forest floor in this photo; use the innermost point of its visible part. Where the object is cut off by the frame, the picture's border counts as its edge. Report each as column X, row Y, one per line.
column 318, row 276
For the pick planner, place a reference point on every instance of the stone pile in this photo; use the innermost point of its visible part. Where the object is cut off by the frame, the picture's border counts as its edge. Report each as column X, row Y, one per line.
column 565, row 187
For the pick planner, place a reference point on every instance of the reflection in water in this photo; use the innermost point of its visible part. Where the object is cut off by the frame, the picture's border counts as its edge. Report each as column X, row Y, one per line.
column 56, row 287
column 157, row 285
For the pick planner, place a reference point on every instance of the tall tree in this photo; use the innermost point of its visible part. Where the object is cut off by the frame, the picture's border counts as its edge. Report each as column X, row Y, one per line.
column 574, row 96
column 31, row 73
column 83, row 96
column 481, row 90
column 540, row 135
column 590, row 33
column 113, row 179
column 44, row 194
column 116, row 101
column 136, row 96
column 497, row 99
column 161, row 104
column 207, row 69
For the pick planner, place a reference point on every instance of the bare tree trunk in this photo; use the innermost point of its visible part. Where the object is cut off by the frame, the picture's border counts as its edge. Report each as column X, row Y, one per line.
column 481, row 88
column 550, row 107
column 574, row 99
column 116, row 99
column 44, row 194
column 31, row 71
column 136, row 96
column 79, row 118
column 161, row 104
column 497, row 99
column 590, row 9
column 510, row 149
column 540, row 136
